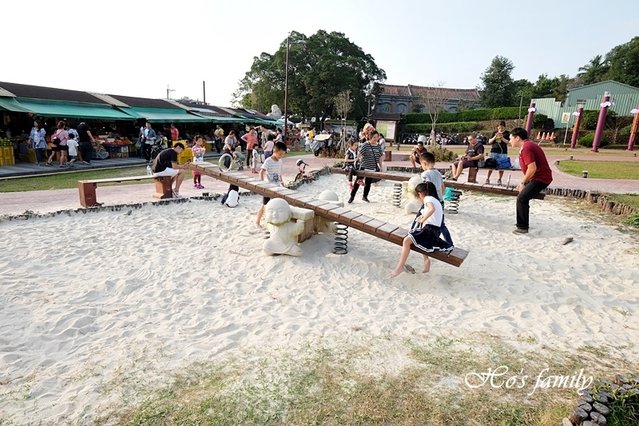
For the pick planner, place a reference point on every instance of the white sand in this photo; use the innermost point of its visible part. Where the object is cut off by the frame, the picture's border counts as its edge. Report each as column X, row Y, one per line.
column 98, row 307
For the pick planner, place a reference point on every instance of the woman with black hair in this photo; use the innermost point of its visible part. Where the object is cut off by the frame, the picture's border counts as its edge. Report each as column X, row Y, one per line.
column 372, row 157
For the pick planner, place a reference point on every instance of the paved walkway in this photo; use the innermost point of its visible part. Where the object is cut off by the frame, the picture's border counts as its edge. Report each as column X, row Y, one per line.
column 12, row 203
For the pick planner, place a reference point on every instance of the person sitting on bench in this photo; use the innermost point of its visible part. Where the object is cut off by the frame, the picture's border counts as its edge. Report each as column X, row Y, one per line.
column 165, row 164
column 474, row 153
column 417, row 152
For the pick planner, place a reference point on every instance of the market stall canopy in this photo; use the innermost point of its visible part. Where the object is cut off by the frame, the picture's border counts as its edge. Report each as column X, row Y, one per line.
column 10, row 104
column 214, row 117
column 164, row 115
column 47, row 93
column 49, row 108
column 261, row 118
column 250, row 116
column 154, row 110
column 280, row 122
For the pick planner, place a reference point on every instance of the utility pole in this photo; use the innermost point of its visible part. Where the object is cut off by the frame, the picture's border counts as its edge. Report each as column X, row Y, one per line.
column 168, row 92
column 204, row 91
column 286, row 90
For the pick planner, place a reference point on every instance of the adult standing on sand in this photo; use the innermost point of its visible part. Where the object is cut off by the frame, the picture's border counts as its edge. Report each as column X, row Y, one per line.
column 372, row 159
column 85, row 143
column 537, row 175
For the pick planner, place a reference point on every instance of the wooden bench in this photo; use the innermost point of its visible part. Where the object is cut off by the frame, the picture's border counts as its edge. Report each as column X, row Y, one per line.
column 88, row 198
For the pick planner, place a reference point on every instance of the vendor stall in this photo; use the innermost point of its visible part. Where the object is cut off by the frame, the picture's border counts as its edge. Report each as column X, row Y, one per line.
column 116, row 147
column 7, row 156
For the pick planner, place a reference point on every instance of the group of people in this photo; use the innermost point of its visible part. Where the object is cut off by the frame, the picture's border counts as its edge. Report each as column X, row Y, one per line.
column 69, row 144
column 532, row 160
column 428, row 231
column 475, row 153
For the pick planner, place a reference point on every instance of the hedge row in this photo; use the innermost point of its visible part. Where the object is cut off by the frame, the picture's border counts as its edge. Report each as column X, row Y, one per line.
column 539, row 121
column 504, row 113
column 458, row 127
column 608, row 138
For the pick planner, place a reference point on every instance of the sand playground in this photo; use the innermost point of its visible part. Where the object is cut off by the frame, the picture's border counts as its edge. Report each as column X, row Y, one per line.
column 96, row 305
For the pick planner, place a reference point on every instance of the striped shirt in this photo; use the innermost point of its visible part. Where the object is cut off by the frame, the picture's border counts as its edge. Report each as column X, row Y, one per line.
column 371, row 155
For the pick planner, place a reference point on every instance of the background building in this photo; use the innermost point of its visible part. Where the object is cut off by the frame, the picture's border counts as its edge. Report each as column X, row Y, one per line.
column 396, row 100
column 623, row 97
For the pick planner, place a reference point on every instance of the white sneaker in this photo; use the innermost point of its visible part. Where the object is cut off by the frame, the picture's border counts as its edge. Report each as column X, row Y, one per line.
column 176, row 195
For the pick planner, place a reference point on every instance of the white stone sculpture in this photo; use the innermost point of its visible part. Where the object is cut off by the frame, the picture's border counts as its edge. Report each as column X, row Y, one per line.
column 283, row 232
column 325, row 225
column 276, row 112
column 413, row 204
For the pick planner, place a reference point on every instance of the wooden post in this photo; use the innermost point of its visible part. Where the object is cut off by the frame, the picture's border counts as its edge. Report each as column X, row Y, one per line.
column 472, row 174
column 163, row 187
column 88, row 197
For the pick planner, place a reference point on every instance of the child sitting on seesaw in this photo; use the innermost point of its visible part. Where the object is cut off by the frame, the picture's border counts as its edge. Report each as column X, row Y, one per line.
column 425, row 230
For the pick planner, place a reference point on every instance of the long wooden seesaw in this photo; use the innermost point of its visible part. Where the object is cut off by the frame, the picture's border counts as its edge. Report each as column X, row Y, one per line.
column 384, row 230
column 453, row 184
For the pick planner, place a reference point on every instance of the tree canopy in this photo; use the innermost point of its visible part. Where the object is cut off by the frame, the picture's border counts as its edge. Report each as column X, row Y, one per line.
column 320, row 68
column 498, row 87
column 620, row 64
column 326, row 65
column 623, row 63
column 593, row 71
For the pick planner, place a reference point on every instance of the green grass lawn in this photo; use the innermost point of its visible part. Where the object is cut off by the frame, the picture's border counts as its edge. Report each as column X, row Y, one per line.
column 602, row 169
column 67, row 180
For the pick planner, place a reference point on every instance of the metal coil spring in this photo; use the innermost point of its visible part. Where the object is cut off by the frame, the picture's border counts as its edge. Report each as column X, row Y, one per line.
column 341, row 239
column 452, row 205
column 397, row 194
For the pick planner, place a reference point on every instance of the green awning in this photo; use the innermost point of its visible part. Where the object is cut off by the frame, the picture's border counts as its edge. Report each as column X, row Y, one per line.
column 248, row 118
column 215, row 118
column 10, row 104
column 61, row 109
column 165, row 115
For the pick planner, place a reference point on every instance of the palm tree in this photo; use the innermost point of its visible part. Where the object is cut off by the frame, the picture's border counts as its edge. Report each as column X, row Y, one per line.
column 594, row 71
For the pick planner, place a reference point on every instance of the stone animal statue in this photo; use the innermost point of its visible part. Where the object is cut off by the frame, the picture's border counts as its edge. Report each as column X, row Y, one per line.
column 276, row 112
column 413, row 204
column 323, row 225
column 284, row 232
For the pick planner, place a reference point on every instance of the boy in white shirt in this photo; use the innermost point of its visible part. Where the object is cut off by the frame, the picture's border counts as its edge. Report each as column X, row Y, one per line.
column 72, row 143
column 271, row 171
column 431, row 174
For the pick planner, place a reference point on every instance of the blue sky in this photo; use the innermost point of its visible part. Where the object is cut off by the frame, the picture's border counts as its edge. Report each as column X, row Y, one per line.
column 137, row 48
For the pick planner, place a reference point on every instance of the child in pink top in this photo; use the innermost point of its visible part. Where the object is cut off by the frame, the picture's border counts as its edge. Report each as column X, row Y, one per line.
column 198, row 157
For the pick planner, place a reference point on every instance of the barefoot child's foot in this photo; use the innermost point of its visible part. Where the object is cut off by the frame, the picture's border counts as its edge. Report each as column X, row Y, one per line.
column 426, row 265
column 396, row 272
column 406, row 268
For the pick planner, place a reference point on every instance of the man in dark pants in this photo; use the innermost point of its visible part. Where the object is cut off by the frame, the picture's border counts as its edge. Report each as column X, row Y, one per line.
column 537, row 175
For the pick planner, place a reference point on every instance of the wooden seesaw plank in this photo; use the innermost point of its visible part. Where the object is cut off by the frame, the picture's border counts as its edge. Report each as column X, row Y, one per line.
column 451, row 183
column 385, row 231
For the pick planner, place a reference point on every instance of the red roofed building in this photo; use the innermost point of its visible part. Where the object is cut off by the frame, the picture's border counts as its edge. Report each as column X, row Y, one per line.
column 391, row 101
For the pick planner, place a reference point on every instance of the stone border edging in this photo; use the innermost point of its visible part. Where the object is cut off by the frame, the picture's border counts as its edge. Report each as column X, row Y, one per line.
column 594, row 405
column 28, row 214
column 595, row 197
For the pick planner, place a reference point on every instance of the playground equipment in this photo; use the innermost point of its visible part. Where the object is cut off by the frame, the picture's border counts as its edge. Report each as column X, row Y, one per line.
column 325, row 209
